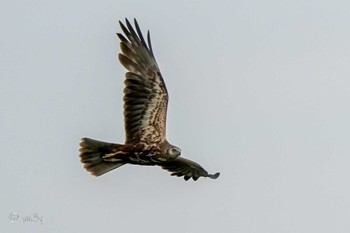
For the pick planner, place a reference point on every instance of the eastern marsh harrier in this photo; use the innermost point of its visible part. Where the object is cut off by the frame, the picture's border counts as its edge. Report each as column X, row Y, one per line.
column 145, row 109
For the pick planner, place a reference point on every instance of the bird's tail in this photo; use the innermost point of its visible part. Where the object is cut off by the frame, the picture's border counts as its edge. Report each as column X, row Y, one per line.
column 99, row 157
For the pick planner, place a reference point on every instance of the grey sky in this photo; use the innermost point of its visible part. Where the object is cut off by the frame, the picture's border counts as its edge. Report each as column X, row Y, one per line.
column 259, row 91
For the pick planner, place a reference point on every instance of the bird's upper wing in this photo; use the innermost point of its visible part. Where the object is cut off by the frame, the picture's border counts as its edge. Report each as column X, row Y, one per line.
column 187, row 168
column 145, row 94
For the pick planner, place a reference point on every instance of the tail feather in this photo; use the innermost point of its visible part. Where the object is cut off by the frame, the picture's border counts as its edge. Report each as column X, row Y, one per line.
column 92, row 153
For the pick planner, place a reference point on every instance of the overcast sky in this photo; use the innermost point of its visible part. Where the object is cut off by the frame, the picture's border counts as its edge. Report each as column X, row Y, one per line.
column 259, row 91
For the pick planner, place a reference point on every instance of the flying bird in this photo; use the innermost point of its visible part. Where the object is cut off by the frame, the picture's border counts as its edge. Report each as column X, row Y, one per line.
column 145, row 110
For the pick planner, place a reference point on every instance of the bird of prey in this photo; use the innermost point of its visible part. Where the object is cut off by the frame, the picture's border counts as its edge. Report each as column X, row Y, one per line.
column 145, row 110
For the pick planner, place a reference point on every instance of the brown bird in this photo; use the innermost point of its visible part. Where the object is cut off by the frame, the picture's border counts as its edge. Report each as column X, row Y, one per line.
column 145, row 109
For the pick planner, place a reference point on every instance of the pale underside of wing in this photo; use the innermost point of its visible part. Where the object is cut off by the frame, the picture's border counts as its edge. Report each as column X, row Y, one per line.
column 186, row 168
column 145, row 94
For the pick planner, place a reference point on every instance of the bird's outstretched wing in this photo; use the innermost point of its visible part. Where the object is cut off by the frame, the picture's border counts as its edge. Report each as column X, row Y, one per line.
column 187, row 168
column 145, row 94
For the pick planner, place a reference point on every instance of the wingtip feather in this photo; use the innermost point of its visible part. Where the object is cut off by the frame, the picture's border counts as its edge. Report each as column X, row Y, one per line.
column 214, row 176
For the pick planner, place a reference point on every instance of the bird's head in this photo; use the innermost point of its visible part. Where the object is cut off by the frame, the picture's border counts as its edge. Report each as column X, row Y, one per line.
column 173, row 152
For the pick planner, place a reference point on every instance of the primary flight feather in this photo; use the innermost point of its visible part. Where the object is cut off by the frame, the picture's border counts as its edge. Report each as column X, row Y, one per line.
column 145, row 109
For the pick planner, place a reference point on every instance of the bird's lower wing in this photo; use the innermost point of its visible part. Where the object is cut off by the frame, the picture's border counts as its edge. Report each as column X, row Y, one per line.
column 186, row 168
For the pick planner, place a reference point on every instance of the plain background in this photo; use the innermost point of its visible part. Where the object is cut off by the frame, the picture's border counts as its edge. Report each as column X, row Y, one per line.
column 259, row 90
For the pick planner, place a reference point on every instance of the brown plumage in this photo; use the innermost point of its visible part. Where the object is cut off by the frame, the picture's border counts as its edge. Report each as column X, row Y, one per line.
column 145, row 109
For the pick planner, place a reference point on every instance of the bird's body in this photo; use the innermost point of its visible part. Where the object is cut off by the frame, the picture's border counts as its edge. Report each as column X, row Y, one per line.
column 145, row 109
